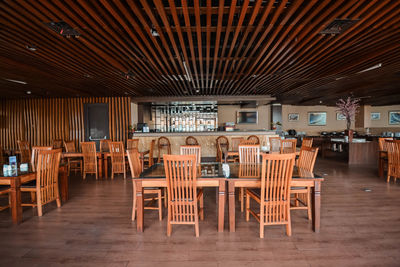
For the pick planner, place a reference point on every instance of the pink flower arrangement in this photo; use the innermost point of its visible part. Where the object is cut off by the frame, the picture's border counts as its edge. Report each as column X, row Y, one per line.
column 348, row 108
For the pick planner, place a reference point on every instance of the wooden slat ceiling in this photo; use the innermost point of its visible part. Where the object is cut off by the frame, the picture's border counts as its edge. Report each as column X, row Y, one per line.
column 203, row 47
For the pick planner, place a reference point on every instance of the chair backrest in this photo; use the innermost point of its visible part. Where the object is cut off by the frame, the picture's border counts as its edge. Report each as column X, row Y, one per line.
column 307, row 158
column 393, row 151
column 151, row 152
column 288, row 146
column 57, row 143
column 89, row 156
column 35, row 152
column 254, row 138
column 221, row 144
column 235, row 141
column 69, row 146
column 248, row 142
column 48, row 164
column 249, row 153
column 190, row 140
column 181, row 177
column 276, row 175
column 164, row 147
column 307, row 142
column 104, row 145
column 134, row 162
column 275, row 144
column 383, row 144
column 249, row 170
column 24, row 150
column 132, row 144
column 117, row 154
column 1, row 155
column 192, row 150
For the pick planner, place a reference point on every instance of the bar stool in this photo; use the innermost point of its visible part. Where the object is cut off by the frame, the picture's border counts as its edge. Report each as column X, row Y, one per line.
column 190, row 140
column 222, row 143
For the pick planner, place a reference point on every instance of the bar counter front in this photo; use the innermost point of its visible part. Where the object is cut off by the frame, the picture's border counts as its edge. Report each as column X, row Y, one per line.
column 207, row 140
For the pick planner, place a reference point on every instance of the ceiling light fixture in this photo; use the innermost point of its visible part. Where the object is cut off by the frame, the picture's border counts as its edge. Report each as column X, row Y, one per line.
column 31, row 47
column 16, row 81
column 371, row 68
column 28, row 92
column 154, row 32
column 129, row 74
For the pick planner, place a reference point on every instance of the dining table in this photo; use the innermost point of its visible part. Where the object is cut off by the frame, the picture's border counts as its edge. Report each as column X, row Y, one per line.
column 21, row 177
column 211, row 174
column 102, row 158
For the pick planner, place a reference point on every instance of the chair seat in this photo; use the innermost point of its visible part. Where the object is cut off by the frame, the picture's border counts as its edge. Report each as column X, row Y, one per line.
column 31, row 184
column 297, row 188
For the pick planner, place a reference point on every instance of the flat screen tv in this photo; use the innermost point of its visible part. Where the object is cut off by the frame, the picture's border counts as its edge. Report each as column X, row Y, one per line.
column 246, row 117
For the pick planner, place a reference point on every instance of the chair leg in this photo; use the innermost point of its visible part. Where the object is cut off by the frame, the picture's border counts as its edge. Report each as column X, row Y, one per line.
column 165, row 197
column 134, row 202
column 33, row 197
column 247, row 207
column 309, row 203
column 196, row 225
column 262, row 208
column 241, row 199
column 159, row 205
column 84, row 175
column 39, row 205
column 169, row 226
column 388, row 178
column 202, row 207
column 289, row 224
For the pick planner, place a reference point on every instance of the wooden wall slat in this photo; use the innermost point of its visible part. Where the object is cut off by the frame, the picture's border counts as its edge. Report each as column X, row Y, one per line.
column 39, row 121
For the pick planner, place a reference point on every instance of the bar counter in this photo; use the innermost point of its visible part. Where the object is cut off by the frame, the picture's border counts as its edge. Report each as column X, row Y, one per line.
column 206, row 139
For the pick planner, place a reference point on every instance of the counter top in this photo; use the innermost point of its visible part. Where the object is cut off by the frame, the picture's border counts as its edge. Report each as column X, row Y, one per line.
column 215, row 133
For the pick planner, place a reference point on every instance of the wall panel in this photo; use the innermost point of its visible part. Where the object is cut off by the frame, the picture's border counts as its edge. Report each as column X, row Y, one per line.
column 39, row 121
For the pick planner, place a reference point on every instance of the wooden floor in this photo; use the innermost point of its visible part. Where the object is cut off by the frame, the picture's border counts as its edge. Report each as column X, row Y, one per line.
column 358, row 228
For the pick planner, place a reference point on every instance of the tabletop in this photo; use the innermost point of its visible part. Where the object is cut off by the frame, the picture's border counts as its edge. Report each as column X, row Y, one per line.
column 237, row 171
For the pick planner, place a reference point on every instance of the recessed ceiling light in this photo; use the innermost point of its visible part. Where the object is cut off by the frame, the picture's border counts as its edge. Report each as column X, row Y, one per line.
column 28, row 92
column 16, row 81
column 31, row 47
column 320, row 101
column 154, row 32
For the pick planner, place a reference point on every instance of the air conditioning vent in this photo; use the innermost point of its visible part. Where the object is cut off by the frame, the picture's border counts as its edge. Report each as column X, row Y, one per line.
column 338, row 26
column 63, row 29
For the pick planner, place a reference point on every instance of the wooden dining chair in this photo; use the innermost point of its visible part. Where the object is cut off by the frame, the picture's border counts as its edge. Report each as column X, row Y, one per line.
column 190, row 140
column 382, row 143
column 46, row 184
column 132, row 144
column 5, row 190
column 248, row 154
column 192, row 150
column 235, row 142
column 307, row 142
column 164, row 147
column 274, row 144
column 393, row 151
column 35, row 152
column 288, row 146
column 104, row 145
column 383, row 157
column 149, row 161
column 222, row 145
column 117, row 159
column 57, row 143
column 136, row 169
column 302, row 195
column 1, row 155
column 89, row 158
column 254, row 138
column 25, row 151
column 182, row 191
column 274, row 199
column 74, row 164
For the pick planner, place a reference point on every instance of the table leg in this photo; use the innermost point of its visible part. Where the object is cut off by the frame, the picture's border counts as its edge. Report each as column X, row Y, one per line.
column 231, row 193
column 317, row 206
column 105, row 161
column 100, row 167
column 63, row 183
column 16, row 208
column 221, row 205
column 139, row 206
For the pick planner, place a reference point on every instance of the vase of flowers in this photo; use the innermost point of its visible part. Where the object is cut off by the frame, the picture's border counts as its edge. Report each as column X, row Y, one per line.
column 348, row 108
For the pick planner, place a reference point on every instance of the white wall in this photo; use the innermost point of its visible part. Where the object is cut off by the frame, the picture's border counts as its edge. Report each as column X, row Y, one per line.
column 228, row 114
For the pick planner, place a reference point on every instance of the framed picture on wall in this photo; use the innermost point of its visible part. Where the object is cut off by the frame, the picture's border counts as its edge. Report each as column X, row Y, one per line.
column 394, row 117
column 375, row 116
column 293, row 116
column 340, row 117
column 316, row 118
